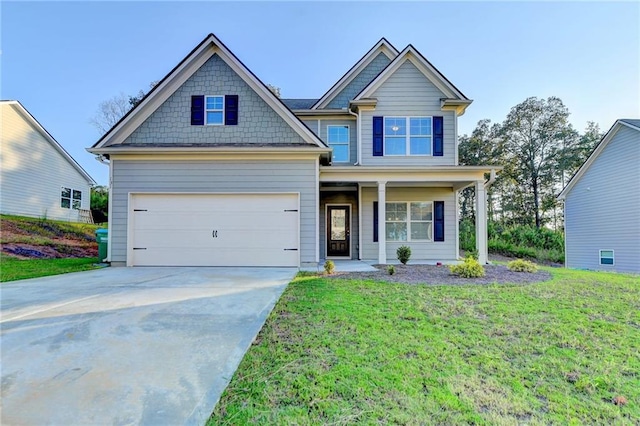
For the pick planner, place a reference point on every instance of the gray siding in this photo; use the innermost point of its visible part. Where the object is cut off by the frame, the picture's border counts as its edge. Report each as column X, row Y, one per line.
column 350, row 198
column 214, row 177
column 258, row 123
column 341, row 100
column 33, row 172
column 602, row 210
column 408, row 93
column 436, row 251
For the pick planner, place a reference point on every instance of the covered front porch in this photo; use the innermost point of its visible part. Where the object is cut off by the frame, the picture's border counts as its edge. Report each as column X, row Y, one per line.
column 366, row 213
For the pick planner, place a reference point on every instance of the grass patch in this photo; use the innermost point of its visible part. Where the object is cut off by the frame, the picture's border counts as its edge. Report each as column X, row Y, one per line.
column 341, row 352
column 12, row 269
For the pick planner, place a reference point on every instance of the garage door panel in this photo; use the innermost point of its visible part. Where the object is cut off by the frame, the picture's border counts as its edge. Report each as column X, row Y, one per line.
column 215, row 229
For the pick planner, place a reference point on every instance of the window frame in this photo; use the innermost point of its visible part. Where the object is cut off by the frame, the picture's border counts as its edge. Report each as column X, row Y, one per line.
column 408, row 220
column 207, row 110
column 407, row 136
column 612, row 257
column 348, row 143
column 71, row 198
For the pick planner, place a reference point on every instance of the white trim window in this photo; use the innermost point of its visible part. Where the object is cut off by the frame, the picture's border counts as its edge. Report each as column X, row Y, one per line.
column 408, row 136
column 607, row 257
column 338, row 139
column 409, row 221
column 70, row 198
column 214, row 110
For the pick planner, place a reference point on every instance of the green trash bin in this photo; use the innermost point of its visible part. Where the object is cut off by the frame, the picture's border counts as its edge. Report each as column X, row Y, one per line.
column 102, row 237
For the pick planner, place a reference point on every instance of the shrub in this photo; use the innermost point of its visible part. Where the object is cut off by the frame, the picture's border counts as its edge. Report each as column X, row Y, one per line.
column 520, row 265
column 329, row 267
column 404, row 253
column 470, row 268
column 391, row 269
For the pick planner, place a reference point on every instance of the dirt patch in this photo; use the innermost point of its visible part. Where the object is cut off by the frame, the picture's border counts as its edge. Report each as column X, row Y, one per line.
column 438, row 275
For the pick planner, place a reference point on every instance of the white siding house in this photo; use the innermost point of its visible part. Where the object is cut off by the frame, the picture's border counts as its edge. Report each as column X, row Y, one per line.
column 602, row 204
column 38, row 177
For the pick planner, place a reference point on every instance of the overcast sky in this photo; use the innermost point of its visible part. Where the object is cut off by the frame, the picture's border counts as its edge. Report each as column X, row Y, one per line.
column 61, row 59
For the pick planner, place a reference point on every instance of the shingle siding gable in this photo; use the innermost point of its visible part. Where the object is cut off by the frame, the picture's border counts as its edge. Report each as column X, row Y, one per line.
column 371, row 71
column 258, row 123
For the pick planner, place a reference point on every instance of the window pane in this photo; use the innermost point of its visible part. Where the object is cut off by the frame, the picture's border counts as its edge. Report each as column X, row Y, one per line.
column 420, row 211
column 606, row 253
column 396, row 231
column 338, row 134
column 65, row 203
column 66, row 192
column 214, row 117
column 77, row 195
column 214, row 102
column 338, row 225
column 420, row 126
column 395, row 146
column 606, row 261
column 420, row 145
column 396, row 211
column 340, row 153
column 76, row 204
column 395, row 126
column 420, row 230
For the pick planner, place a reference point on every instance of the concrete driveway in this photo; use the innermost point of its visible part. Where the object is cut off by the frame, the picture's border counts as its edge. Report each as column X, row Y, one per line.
column 128, row 345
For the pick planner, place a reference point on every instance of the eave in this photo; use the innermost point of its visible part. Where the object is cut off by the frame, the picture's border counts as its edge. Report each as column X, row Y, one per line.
column 457, row 105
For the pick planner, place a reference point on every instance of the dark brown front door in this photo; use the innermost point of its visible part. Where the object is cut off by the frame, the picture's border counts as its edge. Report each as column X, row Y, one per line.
column 338, row 231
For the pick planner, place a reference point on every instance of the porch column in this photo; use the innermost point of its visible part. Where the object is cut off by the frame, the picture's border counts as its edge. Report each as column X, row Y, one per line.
column 382, row 235
column 481, row 223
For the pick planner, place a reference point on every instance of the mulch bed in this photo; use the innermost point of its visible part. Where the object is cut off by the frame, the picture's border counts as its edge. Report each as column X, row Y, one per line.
column 440, row 275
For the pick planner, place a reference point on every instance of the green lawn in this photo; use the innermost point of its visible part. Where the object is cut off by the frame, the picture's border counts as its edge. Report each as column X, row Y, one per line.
column 343, row 352
column 12, row 269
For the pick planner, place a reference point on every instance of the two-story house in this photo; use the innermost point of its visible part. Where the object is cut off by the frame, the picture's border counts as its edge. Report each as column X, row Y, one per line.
column 212, row 169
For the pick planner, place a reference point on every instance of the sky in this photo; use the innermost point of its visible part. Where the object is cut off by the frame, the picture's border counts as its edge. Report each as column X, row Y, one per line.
column 61, row 59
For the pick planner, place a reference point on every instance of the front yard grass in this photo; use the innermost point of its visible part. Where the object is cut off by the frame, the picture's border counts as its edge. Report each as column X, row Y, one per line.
column 342, row 352
column 12, row 269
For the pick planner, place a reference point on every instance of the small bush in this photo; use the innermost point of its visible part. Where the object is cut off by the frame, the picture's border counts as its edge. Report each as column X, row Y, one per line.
column 470, row 268
column 391, row 269
column 404, row 253
column 520, row 265
column 329, row 267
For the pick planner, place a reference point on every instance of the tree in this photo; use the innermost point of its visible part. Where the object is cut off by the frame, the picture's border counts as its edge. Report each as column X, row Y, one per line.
column 113, row 109
column 537, row 132
column 274, row 89
column 100, row 203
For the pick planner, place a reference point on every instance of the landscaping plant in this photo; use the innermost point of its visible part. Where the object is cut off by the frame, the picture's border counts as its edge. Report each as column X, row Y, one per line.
column 391, row 269
column 520, row 265
column 329, row 267
column 470, row 268
column 403, row 253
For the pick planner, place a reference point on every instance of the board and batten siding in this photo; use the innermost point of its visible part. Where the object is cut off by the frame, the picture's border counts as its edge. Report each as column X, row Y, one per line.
column 33, row 172
column 602, row 210
column 427, row 250
column 211, row 176
column 408, row 93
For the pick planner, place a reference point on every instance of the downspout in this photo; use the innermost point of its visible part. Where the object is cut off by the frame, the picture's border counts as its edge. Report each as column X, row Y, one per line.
column 104, row 160
column 357, row 116
column 492, row 179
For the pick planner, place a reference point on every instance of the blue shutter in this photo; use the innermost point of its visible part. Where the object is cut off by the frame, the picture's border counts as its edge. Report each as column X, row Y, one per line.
column 231, row 110
column 378, row 133
column 438, row 221
column 375, row 221
column 438, row 137
column 197, row 110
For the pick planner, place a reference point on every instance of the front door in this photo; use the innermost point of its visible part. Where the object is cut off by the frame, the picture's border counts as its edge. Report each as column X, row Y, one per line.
column 338, row 237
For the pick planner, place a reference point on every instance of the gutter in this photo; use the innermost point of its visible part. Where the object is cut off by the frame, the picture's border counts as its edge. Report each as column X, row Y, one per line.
column 492, row 179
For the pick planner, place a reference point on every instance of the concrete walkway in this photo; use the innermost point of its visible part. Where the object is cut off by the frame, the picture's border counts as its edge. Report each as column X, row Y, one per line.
column 344, row 266
column 128, row 345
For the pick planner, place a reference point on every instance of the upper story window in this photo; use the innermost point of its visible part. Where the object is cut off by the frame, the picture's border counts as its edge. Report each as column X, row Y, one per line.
column 338, row 139
column 214, row 110
column 70, row 198
column 407, row 135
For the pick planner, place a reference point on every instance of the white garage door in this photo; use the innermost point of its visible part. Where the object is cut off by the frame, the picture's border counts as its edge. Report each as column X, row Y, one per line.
column 214, row 230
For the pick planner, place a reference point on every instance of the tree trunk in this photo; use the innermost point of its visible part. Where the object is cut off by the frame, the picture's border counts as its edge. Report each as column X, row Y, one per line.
column 536, row 202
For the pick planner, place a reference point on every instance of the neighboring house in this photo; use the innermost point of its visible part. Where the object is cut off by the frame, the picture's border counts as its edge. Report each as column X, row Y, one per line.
column 38, row 178
column 602, row 204
column 211, row 168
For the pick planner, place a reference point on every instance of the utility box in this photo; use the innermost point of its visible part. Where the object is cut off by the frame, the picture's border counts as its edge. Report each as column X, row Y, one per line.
column 102, row 237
